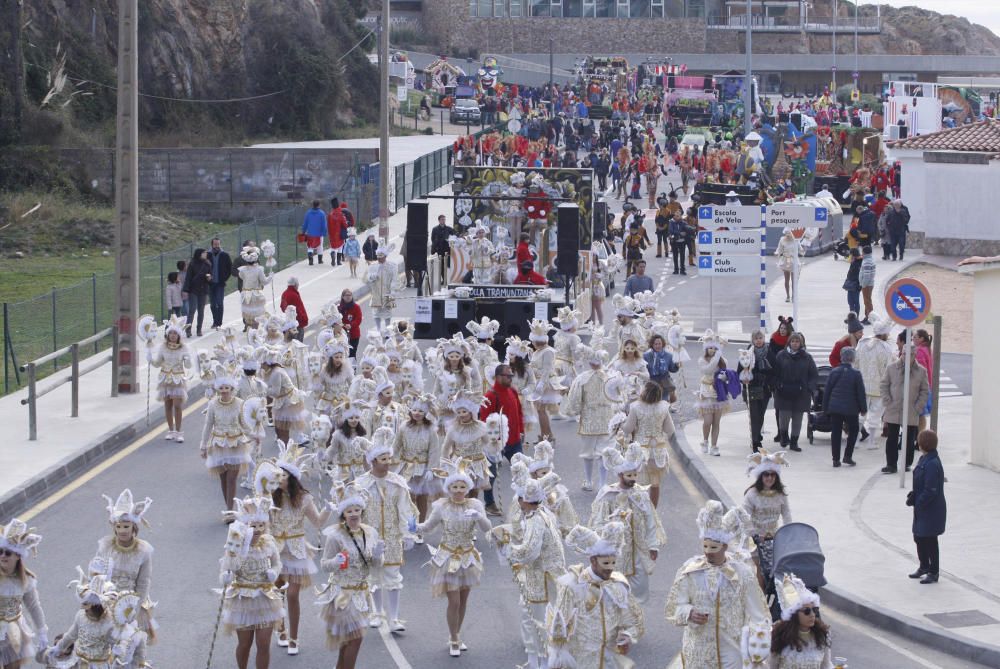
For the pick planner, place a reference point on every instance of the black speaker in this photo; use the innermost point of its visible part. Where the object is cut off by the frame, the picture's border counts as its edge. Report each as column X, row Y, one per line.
column 795, row 118
column 568, row 239
column 416, row 235
column 466, row 313
column 904, row 132
column 600, row 219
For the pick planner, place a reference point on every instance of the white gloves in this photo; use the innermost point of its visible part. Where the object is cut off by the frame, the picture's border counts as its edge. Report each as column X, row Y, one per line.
column 43, row 638
column 272, row 575
column 227, row 577
column 379, row 550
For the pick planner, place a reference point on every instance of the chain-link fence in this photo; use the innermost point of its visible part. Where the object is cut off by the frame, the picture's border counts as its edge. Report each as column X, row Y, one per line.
column 35, row 327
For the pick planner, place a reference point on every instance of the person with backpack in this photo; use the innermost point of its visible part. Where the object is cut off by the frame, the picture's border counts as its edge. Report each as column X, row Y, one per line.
column 897, row 223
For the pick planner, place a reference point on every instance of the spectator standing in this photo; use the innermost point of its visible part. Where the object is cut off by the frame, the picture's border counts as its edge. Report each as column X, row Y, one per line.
column 222, row 270
column 181, row 277
column 172, row 295
column 922, row 352
column 678, row 232
column 795, row 379
column 844, row 399
column 314, row 228
column 855, row 331
column 336, row 227
column 199, row 274
column 892, row 399
column 929, row 507
column 291, row 297
column 639, row 281
column 503, row 398
column 352, row 252
column 867, row 280
column 874, row 355
column 440, row 246
column 756, row 380
column 369, row 248
column 350, row 312
column 897, row 224
column 852, row 283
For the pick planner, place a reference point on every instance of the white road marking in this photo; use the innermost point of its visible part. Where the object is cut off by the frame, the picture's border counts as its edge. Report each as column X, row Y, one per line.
column 948, row 386
column 951, row 393
column 671, row 288
column 393, row 647
column 869, row 631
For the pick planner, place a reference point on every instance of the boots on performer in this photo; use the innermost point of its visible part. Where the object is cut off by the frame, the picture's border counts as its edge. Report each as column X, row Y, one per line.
column 588, row 474
column 309, row 255
column 319, row 258
column 395, row 623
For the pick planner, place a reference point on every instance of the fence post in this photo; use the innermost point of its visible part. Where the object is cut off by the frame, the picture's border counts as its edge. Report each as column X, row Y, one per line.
column 442, row 120
column 74, row 352
column 114, row 361
column 6, row 367
column 163, row 290
column 32, row 414
column 55, row 339
column 277, row 241
column 93, row 291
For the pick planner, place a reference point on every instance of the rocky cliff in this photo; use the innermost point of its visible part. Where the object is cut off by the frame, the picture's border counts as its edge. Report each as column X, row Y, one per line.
column 208, row 50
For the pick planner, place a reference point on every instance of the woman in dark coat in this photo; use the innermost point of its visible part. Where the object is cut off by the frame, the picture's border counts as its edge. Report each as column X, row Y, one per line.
column 929, row 507
column 757, row 391
column 777, row 344
column 199, row 274
column 795, row 378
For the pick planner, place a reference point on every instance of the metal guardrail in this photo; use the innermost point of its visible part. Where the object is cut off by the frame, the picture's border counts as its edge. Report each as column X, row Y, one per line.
column 74, row 377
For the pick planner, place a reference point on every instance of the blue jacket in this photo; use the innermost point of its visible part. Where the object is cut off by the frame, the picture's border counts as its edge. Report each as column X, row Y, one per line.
column 659, row 364
column 352, row 249
column 845, row 392
column 314, row 223
column 929, row 508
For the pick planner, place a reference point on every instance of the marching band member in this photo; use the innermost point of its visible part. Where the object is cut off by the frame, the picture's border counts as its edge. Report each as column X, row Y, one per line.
column 629, row 503
column 456, row 566
column 389, row 511
column 19, row 596
column 351, row 550
column 714, row 598
column 172, row 357
column 594, row 618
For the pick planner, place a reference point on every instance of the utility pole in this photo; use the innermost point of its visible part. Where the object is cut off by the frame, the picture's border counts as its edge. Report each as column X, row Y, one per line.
column 552, row 100
column 127, row 197
column 833, row 70
column 748, row 84
column 383, row 110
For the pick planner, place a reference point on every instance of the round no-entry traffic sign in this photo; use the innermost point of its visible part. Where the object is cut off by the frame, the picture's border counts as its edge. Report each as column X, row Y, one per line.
column 908, row 302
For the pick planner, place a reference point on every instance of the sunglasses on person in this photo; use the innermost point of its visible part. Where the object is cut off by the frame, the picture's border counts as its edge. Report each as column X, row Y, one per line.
column 810, row 610
column 7, row 553
column 505, row 374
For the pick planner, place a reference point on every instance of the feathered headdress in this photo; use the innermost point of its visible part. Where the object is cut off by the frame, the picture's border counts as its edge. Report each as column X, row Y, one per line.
column 452, row 470
column 568, row 318
column 381, row 444
column 606, row 542
column 174, row 324
column 125, row 508
column 762, row 461
column 293, row 458
column 250, row 254
column 483, row 329
column 251, row 510
column 468, row 400
column 715, row 524
column 793, row 595
column 539, row 330
column 291, row 320
column 345, row 495
column 93, row 590
column 18, row 537
column 517, row 348
column 624, row 306
column 711, row 340
column 619, row 463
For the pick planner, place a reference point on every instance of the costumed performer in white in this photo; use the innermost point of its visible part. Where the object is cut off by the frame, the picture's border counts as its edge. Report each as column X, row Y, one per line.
column 766, row 502
column 173, row 358
column 456, row 565
column 288, row 404
column 649, row 423
column 588, row 400
column 800, row 640
column 19, row 597
column 252, row 605
column 540, row 466
column 714, row 598
column 595, row 620
column 383, row 278
column 468, row 439
column 533, row 547
column 627, row 502
column 351, row 550
column 391, row 513
column 333, row 382
column 224, row 446
column 548, row 389
column 524, row 382
column 417, row 449
column 710, row 407
column 125, row 559
column 253, row 278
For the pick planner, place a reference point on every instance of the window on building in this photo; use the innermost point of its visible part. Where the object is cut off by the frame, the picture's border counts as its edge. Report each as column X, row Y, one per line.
column 499, row 9
column 639, row 9
column 657, row 9
column 485, row 9
column 515, row 9
column 572, row 8
column 541, row 7
column 622, row 8
column 694, row 8
column 588, row 8
column 605, row 8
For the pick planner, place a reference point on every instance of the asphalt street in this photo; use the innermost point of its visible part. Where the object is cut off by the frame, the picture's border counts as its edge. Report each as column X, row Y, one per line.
column 188, row 533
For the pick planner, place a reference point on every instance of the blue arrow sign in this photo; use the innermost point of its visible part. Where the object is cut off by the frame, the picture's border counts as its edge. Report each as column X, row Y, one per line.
column 705, row 238
column 820, row 214
column 705, row 213
column 704, row 262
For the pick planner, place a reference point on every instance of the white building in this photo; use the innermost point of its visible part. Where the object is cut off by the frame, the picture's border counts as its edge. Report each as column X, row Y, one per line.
column 950, row 181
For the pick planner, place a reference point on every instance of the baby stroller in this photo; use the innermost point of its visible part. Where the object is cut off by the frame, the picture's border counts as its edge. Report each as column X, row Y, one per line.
column 818, row 421
column 796, row 550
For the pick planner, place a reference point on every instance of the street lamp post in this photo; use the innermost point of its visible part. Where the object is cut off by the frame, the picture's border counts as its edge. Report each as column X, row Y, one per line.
column 748, row 83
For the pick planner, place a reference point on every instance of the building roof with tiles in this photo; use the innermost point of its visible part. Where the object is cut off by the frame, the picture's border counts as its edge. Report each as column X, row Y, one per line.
column 983, row 137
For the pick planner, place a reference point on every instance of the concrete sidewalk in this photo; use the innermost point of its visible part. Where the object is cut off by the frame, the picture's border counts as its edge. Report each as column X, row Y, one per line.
column 863, row 523
column 30, row 470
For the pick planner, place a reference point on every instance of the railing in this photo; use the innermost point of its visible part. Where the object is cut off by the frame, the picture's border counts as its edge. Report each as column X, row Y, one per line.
column 808, row 23
column 74, row 376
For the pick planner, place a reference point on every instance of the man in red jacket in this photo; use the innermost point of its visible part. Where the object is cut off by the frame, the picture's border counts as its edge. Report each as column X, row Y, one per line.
column 292, row 298
column 335, row 225
column 351, row 313
column 503, row 398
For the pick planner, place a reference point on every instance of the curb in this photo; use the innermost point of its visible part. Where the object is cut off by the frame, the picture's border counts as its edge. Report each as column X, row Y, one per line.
column 845, row 601
column 38, row 487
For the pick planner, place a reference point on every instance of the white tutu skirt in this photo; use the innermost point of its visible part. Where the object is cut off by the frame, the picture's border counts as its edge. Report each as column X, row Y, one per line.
column 227, row 453
column 428, row 484
column 253, row 304
column 346, row 624
column 707, row 407
column 297, row 570
column 18, row 642
column 444, row 581
column 292, row 417
column 171, row 391
column 252, row 613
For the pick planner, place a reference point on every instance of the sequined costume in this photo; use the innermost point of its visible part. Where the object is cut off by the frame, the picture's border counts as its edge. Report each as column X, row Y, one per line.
column 588, row 400
column 347, row 453
column 469, row 441
column 288, row 529
column 223, row 438
column 131, row 569
column 251, row 601
column 252, row 300
column 346, row 600
column 643, row 531
column 17, row 598
column 651, row 426
column 389, row 511
column 90, row 642
column 417, row 450
column 329, row 390
column 455, row 563
column 288, row 409
column 172, row 360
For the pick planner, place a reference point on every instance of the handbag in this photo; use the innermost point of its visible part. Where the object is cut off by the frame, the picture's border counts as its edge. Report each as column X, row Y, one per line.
column 755, row 393
column 301, row 237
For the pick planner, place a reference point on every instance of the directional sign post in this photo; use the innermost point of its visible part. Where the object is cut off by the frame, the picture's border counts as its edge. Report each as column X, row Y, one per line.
column 796, row 216
column 714, row 216
column 731, row 241
column 908, row 302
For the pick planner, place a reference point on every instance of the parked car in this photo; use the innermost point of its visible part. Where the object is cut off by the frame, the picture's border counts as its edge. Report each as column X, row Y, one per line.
column 465, row 110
